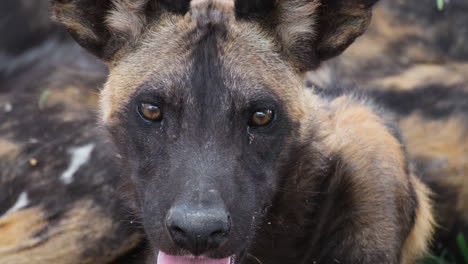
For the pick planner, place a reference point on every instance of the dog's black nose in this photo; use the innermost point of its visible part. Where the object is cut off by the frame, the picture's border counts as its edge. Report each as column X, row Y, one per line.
column 198, row 229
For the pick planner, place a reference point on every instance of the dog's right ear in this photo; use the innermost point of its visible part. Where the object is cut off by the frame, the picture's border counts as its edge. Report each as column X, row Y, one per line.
column 102, row 27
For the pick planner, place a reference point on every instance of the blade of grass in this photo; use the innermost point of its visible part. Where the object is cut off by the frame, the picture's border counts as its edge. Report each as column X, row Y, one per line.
column 432, row 259
column 463, row 246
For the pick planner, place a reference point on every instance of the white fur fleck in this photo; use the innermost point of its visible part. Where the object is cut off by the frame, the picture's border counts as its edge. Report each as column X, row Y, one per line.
column 21, row 202
column 79, row 156
column 8, row 107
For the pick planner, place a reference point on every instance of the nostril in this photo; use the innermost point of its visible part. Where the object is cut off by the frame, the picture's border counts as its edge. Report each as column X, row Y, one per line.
column 177, row 230
column 224, row 228
column 218, row 235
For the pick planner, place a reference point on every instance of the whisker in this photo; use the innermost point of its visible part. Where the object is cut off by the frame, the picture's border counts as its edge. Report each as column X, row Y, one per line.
column 255, row 258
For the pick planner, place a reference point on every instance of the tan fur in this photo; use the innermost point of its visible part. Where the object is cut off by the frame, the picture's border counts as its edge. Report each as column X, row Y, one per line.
column 131, row 71
column 217, row 4
column 420, row 237
column 357, row 132
column 8, row 149
column 351, row 128
column 127, row 74
column 79, row 27
column 345, row 33
column 296, row 21
column 426, row 74
column 66, row 15
column 265, row 69
column 219, row 12
column 63, row 243
column 128, row 18
column 346, row 126
column 172, row 58
column 444, row 143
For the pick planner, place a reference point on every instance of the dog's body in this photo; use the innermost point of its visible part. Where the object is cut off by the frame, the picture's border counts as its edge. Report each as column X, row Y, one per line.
column 331, row 183
column 413, row 61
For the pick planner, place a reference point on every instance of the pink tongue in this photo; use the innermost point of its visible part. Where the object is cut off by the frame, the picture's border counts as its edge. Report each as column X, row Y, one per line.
column 163, row 258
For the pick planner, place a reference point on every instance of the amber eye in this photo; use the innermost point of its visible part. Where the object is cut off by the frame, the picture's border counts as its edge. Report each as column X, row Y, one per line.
column 150, row 112
column 261, row 118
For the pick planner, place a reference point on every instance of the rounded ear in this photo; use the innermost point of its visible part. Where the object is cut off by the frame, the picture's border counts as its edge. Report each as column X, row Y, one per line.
column 312, row 31
column 339, row 23
column 102, row 26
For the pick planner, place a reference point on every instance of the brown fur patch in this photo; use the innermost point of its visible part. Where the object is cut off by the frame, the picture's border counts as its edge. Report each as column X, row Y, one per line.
column 444, row 143
column 64, row 242
column 227, row 5
column 212, row 12
column 296, row 22
column 128, row 18
column 263, row 66
column 357, row 131
column 379, row 178
column 8, row 149
column 261, row 62
column 420, row 237
column 426, row 74
column 68, row 14
column 131, row 71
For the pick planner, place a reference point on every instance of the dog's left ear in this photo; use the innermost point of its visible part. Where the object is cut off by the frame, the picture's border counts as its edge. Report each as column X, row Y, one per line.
column 312, row 31
column 102, row 27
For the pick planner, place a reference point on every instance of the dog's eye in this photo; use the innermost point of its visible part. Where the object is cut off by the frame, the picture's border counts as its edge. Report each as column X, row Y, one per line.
column 261, row 118
column 150, row 112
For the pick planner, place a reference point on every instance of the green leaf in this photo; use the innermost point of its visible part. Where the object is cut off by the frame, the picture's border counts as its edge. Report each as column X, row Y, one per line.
column 440, row 4
column 43, row 98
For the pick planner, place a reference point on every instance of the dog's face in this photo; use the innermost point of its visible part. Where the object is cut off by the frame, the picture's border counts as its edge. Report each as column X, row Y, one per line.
column 204, row 103
column 201, row 130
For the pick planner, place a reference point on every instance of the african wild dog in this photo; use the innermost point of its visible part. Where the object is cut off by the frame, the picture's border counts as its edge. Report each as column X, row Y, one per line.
column 228, row 158
column 324, row 174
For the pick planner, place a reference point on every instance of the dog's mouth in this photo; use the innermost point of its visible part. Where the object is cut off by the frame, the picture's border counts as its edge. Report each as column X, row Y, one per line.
column 164, row 258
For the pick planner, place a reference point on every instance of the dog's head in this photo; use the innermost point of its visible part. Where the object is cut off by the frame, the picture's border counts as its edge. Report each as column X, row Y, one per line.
column 204, row 102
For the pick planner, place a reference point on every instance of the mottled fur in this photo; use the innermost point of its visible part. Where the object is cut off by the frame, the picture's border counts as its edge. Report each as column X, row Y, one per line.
column 334, row 181
column 384, row 211
column 43, row 220
column 413, row 62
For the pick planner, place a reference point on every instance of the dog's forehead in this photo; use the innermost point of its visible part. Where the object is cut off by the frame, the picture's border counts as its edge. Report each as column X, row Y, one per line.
column 168, row 56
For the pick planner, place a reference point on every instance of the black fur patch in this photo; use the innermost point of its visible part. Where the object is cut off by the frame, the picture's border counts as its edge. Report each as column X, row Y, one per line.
column 433, row 101
column 318, row 218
